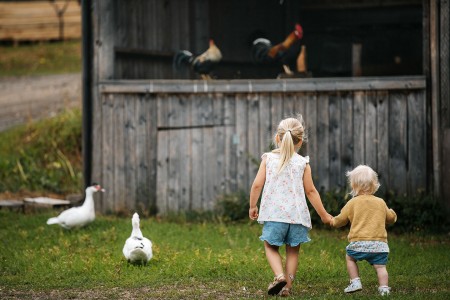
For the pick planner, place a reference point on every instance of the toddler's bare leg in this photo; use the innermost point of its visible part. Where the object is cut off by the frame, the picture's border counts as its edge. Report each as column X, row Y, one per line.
column 382, row 274
column 352, row 267
column 291, row 263
column 274, row 258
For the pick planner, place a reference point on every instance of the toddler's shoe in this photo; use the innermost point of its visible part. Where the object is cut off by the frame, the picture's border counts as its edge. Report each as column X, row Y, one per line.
column 278, row 283
column 384, row 290
column 355, row 285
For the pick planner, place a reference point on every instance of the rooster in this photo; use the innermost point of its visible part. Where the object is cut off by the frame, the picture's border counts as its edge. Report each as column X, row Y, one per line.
column 202, row 64
column 287, row 52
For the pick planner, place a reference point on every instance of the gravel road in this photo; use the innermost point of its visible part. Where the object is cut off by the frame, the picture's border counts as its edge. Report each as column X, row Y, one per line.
column 25, row 99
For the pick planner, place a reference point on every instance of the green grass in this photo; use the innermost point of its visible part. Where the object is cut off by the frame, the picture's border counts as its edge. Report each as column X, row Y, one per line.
column 40, row 59
column 44, row 156
column 196, row 261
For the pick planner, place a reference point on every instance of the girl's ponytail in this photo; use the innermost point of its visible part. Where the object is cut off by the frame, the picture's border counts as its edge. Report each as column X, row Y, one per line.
column 286, row 150
column 290, row 132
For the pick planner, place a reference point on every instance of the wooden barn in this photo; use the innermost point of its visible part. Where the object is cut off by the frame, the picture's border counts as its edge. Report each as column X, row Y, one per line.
column 374, row 89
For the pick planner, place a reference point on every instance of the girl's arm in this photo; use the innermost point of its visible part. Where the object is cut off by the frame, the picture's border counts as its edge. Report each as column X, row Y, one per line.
column 314, row 197
column 255, row 191
column 391, row 216
column 341, row 219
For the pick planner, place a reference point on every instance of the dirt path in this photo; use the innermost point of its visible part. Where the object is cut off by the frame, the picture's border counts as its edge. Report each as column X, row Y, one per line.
column 24, row 99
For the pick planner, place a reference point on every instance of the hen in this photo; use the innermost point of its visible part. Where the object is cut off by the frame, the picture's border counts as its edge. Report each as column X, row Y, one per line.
column 287, row 52
column 202, row 64
column 137, row 248
column 78, row 216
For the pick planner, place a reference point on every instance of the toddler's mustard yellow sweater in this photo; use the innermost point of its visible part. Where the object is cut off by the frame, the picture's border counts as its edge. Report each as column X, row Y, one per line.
column 368, row 216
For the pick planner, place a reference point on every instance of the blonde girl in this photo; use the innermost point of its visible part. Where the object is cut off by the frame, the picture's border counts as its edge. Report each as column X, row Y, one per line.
column 286, row 178
column 368, row 216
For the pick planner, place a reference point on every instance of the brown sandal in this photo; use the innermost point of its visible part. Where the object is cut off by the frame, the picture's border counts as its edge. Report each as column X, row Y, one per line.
column 277, row 285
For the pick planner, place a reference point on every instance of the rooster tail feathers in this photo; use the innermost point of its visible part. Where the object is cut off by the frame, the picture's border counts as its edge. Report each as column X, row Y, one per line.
column 182, row 58
column 52, row 221
column 260, row 48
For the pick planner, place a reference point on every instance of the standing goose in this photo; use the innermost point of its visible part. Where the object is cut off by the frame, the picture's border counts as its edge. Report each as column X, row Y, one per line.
column 137, row 248
column 81, row 215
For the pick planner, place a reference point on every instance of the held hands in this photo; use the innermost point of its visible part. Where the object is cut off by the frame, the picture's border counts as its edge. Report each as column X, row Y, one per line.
column 326, row 219
column 253, row 213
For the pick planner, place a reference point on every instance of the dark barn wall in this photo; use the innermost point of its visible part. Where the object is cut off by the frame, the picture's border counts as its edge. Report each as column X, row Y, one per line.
column 149, row 32
column 390, row 37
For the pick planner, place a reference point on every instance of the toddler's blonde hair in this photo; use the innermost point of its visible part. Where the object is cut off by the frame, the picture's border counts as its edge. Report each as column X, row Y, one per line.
column 363, row 181
column 289, row 133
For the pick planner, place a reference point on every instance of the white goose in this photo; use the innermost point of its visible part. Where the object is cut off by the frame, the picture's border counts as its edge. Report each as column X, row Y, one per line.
column 137, row 248
column 81, row 215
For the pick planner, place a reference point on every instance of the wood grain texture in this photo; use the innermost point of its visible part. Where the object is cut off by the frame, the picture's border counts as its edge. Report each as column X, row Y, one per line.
column 178, row 152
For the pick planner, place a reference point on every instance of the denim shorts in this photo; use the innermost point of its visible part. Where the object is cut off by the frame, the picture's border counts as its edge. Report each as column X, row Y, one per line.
column 278, row 234
column 374, row 258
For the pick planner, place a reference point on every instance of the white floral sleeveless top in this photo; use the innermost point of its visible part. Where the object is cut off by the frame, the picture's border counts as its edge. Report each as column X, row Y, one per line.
column 283, row 198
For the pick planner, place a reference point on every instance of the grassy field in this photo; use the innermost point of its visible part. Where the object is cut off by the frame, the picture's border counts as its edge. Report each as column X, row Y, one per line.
column 40, row 58
column 196, row 261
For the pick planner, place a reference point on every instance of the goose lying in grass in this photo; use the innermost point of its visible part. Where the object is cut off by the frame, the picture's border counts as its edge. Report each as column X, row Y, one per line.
column 137, row 248
column 81, row 215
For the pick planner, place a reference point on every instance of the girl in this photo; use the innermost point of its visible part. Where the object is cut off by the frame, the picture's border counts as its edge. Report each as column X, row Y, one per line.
column 368, row 216
column 286, row 177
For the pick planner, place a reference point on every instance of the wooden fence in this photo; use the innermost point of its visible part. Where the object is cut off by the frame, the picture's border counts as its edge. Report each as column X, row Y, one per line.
column 40, row 20
column 179, row 145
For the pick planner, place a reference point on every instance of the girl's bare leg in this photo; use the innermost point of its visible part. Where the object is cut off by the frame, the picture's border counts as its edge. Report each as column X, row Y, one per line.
column 291, row 263
column 274, row 258
column 382, row 274
column 352, row 267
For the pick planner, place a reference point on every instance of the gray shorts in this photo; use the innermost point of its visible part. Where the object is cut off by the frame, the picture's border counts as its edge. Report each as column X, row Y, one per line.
column 278, row 234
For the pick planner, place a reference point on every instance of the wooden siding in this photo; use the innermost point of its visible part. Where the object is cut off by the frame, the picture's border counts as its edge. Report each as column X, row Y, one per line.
column 178, row 146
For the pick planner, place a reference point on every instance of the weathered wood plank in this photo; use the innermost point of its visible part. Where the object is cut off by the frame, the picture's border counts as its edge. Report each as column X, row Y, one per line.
column 346, row 136
column 310, row 119
column 197, row 162
column 417, row 142
column 323, row 140
column 335, row 141
column 143, row 188
column 130, row 152
column 264, row 85
column 231, row 139
column 162, row 172
column 358, row 128
column 371, row 141
column 300, row 108
column 163, row 110
column 209, row 168
column 265, row 127
column 105, row 39
column 107, row 165
column 220, row 143
column 253, row 136
column 276, row 110
column 398, row 150
column 152, row 148
column 241, row 141
column 119, row 154
column 288, row 106
column 383, row 140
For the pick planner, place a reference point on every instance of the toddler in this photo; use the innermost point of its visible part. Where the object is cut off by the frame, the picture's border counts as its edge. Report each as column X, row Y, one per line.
column 286, row 178
column 368, row 216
